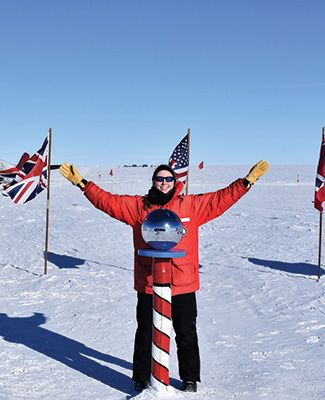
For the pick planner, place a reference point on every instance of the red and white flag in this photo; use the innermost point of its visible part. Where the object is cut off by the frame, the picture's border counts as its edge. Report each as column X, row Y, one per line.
column 320, row 178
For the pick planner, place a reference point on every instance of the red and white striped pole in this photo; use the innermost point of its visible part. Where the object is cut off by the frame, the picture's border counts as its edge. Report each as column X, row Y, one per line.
column 161, row 324
column 161, row 230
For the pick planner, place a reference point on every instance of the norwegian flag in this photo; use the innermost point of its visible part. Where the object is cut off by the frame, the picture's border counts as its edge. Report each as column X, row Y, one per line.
column 320, row 178
column 32, row 177
column 179, row 160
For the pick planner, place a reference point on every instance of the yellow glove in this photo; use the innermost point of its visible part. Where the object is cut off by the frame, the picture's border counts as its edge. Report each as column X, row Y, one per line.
column 71, row 173
column 257, row 171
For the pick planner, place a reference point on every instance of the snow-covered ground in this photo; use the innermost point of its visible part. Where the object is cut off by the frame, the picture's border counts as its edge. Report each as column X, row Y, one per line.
column 261, row 324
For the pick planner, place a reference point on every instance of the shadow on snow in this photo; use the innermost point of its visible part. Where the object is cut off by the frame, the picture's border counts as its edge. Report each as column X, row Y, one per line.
column 63, row 261
column 27, row 331
column 293, row 268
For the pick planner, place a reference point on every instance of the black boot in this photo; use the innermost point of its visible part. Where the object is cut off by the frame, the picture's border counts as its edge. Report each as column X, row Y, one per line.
column 140, row 385
column 189, row 386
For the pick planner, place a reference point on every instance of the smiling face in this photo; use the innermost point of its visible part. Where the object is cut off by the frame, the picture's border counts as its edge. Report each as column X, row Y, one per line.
column 164, row 186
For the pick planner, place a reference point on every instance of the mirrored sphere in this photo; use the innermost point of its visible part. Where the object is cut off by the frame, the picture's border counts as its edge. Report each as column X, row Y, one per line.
column 162, row 229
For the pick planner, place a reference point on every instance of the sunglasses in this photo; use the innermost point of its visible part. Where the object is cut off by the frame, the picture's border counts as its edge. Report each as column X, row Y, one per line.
column 164, row 178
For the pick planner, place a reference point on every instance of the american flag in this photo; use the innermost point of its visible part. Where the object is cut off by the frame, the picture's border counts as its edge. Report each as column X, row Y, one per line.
column 320, row 178
column 179, row 160
column 33, row 177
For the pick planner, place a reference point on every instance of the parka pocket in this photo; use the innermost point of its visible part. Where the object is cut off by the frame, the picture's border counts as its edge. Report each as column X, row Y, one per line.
column 184, row 274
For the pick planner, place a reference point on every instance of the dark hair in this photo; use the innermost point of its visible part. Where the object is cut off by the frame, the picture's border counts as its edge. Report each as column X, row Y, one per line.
column 163, row 167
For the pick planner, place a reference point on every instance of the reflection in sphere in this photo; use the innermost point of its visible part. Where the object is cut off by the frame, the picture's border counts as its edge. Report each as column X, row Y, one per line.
column 162, row 229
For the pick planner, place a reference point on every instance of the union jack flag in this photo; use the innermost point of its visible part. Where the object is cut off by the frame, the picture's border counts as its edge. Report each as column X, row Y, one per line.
column 179, row 160
column 32, row 178
column 320, row 178
column 12, row 172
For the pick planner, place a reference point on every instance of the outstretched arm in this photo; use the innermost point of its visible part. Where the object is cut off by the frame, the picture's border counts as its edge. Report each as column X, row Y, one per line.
column 121, row 207
column 70, row 172
column 256, row 172
column 210, row 205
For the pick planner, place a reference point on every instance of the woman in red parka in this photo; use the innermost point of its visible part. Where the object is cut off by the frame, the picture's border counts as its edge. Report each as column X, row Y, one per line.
column 193, row 210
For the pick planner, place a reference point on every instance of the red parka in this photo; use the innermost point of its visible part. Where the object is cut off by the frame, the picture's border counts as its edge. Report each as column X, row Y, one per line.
column 194, row 210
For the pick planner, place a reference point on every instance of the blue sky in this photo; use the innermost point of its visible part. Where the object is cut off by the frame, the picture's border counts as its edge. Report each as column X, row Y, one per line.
column 121, row 81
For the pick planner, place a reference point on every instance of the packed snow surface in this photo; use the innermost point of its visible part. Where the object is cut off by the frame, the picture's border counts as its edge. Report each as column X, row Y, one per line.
column 261, row 323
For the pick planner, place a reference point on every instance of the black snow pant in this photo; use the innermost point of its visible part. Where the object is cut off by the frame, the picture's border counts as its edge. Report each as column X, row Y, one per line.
column 184, row 313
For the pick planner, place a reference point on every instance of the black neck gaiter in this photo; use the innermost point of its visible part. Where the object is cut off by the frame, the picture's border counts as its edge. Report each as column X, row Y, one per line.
column 155, row 196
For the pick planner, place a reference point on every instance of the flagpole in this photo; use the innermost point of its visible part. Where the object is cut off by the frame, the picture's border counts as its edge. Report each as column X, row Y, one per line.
column 48, row 202
column 189, row 133
column 298, row 196
column 320, row 244
column 112, row 183
column 320, row 233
